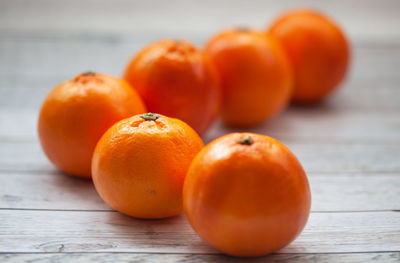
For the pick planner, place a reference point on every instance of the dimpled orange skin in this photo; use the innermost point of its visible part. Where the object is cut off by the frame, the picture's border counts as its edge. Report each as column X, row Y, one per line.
column 255, row 76
column 246, row 199
column 178, row 80
column 77, row 112
column 317, row 50
column 139, row 165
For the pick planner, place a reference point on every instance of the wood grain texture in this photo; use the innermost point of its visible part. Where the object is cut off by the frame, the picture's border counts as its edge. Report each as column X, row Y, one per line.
column 388, row 257
column 77, row 231
column 319, row 157
column 366, row 21
column 315, row 126
column 332, row 192
column 34, row 59
column 372, row 96
column 24, row 56
column 296, row 124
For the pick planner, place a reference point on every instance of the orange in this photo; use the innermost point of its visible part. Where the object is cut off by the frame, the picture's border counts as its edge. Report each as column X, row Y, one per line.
column 255, row 76
column 246, row 195
column 176, row 79
column 140, row 163
column 77, row 112
column 317, row 50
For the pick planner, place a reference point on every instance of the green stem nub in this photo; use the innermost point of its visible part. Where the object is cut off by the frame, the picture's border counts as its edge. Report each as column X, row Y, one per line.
column 89, row 73
column 247, row 140
column 150, row 116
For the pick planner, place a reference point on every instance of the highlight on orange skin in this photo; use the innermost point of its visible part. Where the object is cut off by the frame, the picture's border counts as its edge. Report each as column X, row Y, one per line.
column 246, row 195
column 317, row 49
column 255, row 76
column 176, row 79
column 140, row 163
column 77, row 112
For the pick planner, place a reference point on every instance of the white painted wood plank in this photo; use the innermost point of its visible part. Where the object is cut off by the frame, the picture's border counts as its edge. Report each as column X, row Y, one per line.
column 358, row 97
column 351, row 158
column 333, row 192
column 50, row 190
column 369, row 20
column 49, row 231
column 384, row 257
column 328, row 157
column 325, row 124
column 67, row 56
column 355, row 192
column 378, row 95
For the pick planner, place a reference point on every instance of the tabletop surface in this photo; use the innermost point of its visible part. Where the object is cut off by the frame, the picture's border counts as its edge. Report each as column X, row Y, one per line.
column 349, row 145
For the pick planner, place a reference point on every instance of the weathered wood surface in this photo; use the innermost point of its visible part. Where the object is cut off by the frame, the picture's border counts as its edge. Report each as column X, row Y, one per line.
column 349, row 145
column 384, row 257
column 327, row 124
column 30, row 66
column 324, row 157
column 88, row 231
column 364, row 21
column 34, row 57
column 330, row 192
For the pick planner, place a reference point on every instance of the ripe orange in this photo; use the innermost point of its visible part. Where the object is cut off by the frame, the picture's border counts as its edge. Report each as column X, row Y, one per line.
column 140, row 163
column 317, row 50
column 255, row 76
column 77, row 112
column 246, row 195
column 176, row 79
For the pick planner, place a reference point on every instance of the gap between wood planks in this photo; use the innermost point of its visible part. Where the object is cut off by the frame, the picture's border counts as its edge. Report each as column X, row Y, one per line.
column 316, row 158
column 340, row 192
column 341, row 232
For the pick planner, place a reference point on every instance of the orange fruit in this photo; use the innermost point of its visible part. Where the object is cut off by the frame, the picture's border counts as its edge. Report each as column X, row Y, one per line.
column 246, row 195
column 178, row 80
column 255, row 76
column 140, row 163
column 317, row 50
column 77, row 112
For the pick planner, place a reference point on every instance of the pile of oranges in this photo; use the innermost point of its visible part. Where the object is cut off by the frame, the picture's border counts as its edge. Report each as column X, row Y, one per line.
column 138, row 137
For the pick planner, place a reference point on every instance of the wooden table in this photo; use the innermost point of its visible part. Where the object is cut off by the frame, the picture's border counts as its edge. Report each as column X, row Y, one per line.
column 349, row 145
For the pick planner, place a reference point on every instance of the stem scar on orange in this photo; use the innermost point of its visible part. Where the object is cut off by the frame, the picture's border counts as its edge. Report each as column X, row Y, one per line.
column 246, row 195
column 176, row 79
column 317, row 50
column 140, row 163
column 77, row 112
column 255, row 76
